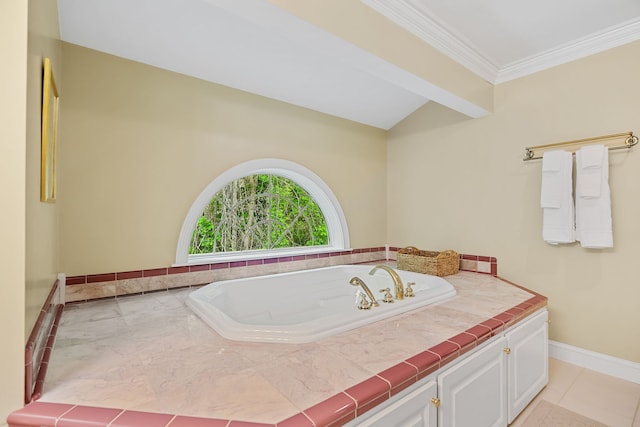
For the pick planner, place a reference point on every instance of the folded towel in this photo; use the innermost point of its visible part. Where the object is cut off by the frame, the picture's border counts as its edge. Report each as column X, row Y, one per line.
column 552, row 189
column 591, row 161
column 592, row 155
column 593, row 208
column 556, row 198
column 553, row 161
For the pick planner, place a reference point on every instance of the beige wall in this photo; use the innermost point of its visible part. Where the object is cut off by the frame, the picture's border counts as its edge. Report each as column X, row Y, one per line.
column 42, row 229
column 138, row 144
column 13, row 86
column 461, row 184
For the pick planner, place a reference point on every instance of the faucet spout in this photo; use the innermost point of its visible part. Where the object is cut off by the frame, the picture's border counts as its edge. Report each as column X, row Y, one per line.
column 397, row 281
column 356, row 281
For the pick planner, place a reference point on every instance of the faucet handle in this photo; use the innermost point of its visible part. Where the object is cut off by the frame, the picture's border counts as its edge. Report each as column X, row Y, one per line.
column 387, row 295
column 364, row 303
column 409, row 290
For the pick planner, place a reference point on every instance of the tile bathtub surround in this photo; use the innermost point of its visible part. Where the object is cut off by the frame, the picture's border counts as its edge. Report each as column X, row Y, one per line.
column 479, row 264
column 44, row 363
column 40, row 344
column 111, row 285
column 129, row 353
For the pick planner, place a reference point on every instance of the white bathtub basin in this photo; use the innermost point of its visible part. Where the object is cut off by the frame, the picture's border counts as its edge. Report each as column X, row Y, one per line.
column 305, row 306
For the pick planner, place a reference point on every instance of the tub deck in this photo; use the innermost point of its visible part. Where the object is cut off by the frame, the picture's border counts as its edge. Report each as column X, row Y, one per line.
column 151, row 353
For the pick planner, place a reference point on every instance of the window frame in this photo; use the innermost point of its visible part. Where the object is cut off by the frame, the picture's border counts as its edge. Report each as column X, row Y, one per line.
column 337, row 230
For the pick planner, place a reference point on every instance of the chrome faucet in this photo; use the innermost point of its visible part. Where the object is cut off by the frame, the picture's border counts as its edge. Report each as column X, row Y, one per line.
column 356, row 281
column 397, row 281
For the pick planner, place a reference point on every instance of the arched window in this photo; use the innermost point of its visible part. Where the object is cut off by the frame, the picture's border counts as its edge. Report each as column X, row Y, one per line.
column 259, row 212
column 259, row 209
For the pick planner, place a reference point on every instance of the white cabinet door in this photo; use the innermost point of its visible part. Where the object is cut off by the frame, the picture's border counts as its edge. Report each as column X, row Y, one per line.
column 413, row 410
column 528, row 362
column 473, row 392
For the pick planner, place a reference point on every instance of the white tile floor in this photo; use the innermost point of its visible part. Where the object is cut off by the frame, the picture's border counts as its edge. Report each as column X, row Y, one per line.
column 608, row 400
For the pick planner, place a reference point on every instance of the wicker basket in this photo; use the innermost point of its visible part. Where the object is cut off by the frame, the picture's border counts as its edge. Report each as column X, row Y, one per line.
column 429, row 262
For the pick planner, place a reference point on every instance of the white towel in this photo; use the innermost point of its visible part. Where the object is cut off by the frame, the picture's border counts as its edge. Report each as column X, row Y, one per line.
column 551, row 191
column 593, row 201
column 556, row 198
column 591, row 161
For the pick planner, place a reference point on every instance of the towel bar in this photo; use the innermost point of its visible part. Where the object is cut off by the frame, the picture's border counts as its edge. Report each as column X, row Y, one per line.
column 533, row 153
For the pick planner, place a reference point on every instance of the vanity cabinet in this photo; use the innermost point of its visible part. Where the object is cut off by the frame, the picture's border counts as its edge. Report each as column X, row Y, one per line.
column 473, row 393
column 408, row 410
column 528, row 362
column 488, row 387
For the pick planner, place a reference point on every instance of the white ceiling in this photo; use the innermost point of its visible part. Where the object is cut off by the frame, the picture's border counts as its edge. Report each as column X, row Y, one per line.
column 256, row 47
column 501, row 40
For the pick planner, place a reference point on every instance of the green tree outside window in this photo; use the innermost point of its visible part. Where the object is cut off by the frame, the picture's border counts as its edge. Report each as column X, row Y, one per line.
column 259, row 212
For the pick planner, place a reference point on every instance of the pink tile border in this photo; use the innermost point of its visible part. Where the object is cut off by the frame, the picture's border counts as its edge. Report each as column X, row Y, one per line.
column 80, row 280
column 181, row 421
column 216, row 266
column 473, row 263
column 481, row 332
column 120, row 276
column 495, row 325
column 369, row 393
column 447, row 351
column 87, row 416
column 426, row 363
column 298, row 420
column 465, row 341
column 42, row 372
column 479, row 264
column 152, row 273
column 247, row 424
column 335, row 411
column 138, row 418
column 94, row 278
column 42, row 414
column 178, row 270
column 37, row 350
column 400, row 376
column 102, row 281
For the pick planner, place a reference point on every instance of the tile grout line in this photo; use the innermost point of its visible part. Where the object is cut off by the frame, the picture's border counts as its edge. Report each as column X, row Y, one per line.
column 570, row 386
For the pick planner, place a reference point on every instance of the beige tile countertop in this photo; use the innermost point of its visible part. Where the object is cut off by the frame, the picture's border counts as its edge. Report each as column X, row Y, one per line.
column 151, row 353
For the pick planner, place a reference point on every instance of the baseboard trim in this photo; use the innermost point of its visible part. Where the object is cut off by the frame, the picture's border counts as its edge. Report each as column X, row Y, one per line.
column 598, row 362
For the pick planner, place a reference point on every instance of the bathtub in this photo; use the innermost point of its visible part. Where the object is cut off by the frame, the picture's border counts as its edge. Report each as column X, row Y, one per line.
column 305, row 306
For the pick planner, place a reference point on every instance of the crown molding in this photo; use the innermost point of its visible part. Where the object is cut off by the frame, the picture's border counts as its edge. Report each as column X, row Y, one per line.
column 594, row 43
column 428, row 28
